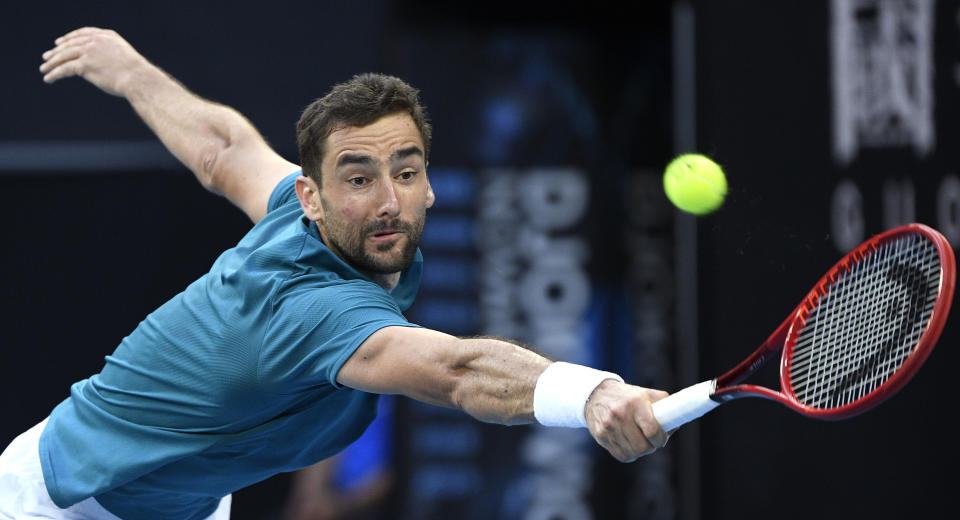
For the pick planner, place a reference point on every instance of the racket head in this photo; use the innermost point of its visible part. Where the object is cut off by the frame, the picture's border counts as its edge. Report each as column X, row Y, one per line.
column 868, row 325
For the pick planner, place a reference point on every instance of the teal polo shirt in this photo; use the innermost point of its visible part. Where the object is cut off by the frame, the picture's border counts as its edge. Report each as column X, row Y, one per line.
column 230, row 382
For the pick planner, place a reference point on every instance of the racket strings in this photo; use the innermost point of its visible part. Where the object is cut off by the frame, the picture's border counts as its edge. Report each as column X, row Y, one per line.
column 866, row 323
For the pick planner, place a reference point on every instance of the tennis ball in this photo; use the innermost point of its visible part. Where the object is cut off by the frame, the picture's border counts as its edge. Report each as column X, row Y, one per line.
column 695, row 184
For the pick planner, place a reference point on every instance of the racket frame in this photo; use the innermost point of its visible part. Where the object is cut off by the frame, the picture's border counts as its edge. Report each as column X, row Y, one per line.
column 783, row 340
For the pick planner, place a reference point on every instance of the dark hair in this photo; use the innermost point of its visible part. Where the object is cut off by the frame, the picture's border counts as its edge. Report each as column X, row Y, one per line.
column 362, row 100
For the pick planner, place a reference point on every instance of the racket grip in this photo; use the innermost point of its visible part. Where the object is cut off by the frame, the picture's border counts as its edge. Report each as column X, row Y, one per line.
column 686, row 405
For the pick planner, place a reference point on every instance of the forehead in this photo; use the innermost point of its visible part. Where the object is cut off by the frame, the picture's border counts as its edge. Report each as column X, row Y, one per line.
column 379, row 139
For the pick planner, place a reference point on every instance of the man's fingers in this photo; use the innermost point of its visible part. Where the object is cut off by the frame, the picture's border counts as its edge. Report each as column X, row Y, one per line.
column 81, row 32
column 621, row 419
column 100, row 56
column 652, row 430
column 623, row 431
column 623, row 438
column 614, row 447
column 63, row 52
column 61, row 65
column 659, row 438
column 67, row 47
column 64, row 70
column 59, row 57
column 607, row 430
column 73, row 43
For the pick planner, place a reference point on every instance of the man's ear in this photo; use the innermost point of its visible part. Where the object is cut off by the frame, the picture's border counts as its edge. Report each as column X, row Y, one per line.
column 431, row 198
column 309, row 194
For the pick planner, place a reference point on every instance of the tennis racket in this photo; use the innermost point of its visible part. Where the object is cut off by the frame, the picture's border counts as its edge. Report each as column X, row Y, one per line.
column 857, row 337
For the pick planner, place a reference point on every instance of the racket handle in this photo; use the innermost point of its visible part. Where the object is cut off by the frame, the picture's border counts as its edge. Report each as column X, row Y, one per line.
column 686, row 405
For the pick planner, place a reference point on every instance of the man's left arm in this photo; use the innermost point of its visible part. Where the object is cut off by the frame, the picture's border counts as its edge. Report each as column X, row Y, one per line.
column 498, row 381
column 218, row 144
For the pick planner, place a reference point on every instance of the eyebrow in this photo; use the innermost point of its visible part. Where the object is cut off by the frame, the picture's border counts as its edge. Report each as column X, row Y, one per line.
column 406, row 152
column 366, row 160
column 354, row 158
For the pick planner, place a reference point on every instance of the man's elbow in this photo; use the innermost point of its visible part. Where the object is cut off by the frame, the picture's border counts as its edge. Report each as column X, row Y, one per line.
column 211, row 170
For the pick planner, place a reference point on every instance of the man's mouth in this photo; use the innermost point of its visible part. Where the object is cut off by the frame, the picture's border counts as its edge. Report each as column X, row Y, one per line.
column 385, row 234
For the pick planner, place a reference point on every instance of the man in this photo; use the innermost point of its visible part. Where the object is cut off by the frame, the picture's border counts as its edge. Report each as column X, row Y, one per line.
column 274, row 359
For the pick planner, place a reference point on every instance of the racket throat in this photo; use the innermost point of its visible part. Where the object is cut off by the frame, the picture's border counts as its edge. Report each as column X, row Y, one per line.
column 737, row 391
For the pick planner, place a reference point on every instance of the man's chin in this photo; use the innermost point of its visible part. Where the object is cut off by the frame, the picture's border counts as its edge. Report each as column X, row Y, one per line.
column 387, row 262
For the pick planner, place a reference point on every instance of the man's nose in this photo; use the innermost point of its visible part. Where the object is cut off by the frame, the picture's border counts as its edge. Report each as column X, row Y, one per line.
column 389, row 205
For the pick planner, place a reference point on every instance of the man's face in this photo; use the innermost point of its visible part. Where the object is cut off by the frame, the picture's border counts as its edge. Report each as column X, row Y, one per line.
column 375, row 194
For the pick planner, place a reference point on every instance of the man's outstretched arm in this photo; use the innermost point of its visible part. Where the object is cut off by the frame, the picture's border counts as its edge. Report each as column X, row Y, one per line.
column 497, row 381
column 224, row 150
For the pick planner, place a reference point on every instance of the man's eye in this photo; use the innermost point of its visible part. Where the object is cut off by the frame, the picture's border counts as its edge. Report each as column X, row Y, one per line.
column 358, row 181
column 407, row 175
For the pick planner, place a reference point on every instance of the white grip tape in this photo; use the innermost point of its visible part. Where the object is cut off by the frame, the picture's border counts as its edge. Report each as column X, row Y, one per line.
column 684, row 406
column 562, row 392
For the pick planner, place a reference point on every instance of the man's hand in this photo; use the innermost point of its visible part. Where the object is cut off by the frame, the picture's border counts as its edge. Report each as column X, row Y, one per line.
column 100, row 56
column 620, row 419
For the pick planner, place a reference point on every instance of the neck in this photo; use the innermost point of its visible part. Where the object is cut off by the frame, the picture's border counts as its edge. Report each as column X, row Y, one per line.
column 387, row 281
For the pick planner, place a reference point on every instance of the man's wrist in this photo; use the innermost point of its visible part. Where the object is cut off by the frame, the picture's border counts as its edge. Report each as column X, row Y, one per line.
column 142, row 81
column 562, row 392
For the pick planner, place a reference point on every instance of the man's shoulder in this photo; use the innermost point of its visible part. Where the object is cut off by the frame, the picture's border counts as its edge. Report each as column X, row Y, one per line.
column 284, row 192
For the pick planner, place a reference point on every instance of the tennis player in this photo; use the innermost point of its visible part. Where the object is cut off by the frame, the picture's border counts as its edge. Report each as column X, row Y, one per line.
column 274, row 359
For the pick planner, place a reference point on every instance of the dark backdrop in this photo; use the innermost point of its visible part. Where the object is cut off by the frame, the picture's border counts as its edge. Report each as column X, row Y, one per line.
column 89, row 251
column 766, row 105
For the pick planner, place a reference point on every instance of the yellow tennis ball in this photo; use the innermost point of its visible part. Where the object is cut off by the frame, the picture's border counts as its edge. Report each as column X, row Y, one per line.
column 695, row 184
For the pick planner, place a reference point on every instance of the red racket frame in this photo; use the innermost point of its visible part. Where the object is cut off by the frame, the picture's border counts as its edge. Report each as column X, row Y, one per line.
column 784, row 341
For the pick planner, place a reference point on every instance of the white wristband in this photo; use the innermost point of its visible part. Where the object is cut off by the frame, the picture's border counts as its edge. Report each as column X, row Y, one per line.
column 562, row 392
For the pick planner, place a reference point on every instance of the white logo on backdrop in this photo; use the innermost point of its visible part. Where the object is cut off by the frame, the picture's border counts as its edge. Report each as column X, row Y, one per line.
column 882, row 60
column 534, row 287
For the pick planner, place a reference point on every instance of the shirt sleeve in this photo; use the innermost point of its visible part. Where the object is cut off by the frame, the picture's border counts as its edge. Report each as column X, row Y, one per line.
column 314, row 331
column 284, row 192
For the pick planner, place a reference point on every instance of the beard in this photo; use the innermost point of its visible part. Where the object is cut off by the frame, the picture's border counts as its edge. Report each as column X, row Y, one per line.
column 386, row 257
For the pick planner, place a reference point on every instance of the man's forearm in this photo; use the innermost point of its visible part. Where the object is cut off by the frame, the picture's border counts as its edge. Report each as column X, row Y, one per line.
column 498, row 379
column 490, row 379
column 195, row 130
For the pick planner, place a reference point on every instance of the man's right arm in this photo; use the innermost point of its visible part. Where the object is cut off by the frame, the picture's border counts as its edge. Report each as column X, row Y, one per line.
column 221, row 147
column 498, row 381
